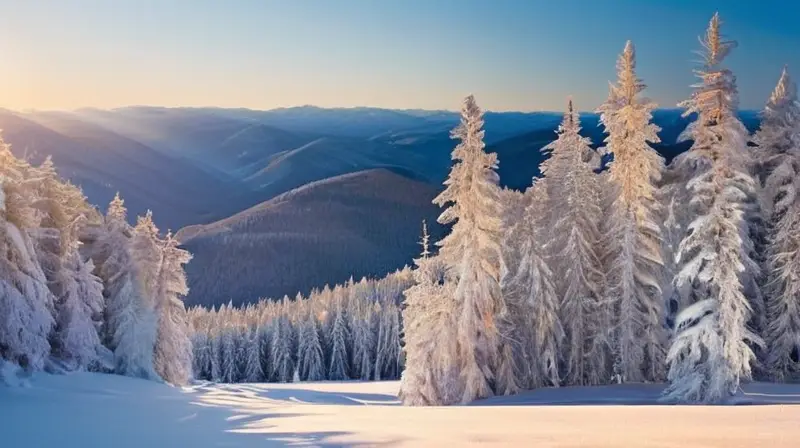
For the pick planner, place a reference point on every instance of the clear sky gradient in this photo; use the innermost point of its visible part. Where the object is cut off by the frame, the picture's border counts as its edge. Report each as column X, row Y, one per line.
column 261, row 54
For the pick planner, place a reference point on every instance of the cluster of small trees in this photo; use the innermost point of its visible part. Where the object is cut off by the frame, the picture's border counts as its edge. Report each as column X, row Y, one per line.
column 351, row 331
column 82, row 291
column 623, row 272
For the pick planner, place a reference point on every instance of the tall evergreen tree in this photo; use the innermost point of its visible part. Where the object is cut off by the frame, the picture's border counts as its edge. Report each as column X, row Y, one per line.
column 634, row 241
column 173, row 349
column 229, row 367
column 574, row 199
column 281, row 356
column 26, row 304
column 130, row 323
column 310, row 358
column 779, row 150
column 776, row 140
column 339, row 366
column 471, row 252
column 530, row 287
column 361, row 322
column 708, row 365
column 253, row 371
column 430, row 345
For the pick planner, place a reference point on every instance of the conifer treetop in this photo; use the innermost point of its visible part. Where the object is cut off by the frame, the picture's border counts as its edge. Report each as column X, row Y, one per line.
column 716, row 97
column 782, row 109
column 425, row 240
column 116, row 209
column 629, row 85
column 145, row 224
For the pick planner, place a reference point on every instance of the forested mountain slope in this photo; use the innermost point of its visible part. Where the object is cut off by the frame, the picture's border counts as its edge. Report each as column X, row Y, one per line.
column 364, row 223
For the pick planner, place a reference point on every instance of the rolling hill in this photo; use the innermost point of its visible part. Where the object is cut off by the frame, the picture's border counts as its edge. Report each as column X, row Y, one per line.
column 363, row 223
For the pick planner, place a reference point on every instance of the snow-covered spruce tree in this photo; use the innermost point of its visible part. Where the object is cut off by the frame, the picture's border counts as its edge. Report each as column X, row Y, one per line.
column 25, row 301
column 707, row 365
column 281, row 355
column 229, row 368
column 361, row 320
column 573, row 199
column 63, row 211
column 389, row 352
column 215, row 349
column 173, row 348
column 430, row 345
column 633, row 244
column 265, row 340
column 338, row 365
column 779, row 150
column 240, row 341
column 253, row 371
column 79, row 307
column 508, row 380
column 471, row 252
column 777, row 139
column 201, row 357
column 310, row 358
column 130, row 320
column 531, row 293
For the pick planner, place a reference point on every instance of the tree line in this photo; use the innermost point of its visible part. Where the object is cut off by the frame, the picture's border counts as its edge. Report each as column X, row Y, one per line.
column 350, row 331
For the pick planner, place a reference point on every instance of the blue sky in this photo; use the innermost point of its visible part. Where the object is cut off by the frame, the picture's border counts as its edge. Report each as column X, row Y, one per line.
column 512, row 54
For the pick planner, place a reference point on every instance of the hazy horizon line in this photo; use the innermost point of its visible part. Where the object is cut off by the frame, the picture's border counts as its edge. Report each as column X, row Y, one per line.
column 311, row 106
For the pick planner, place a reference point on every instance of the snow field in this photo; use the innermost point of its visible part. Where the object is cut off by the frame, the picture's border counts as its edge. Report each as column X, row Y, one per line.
column 94, row 410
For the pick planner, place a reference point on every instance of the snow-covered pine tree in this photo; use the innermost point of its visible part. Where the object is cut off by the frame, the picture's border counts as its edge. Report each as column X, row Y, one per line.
column 135, row 349
column 80, row 308
column 310, row 358
column 338, row 365
column 281, row 355
column 215, row 348
column 430, row 346
column 389, row 353
column 201, row 357
column 62, row 211
column 130, row 321
column 779, row 151
column 776, row 139
column 26, row 304
column 361, row 317
column 147, row 254
column 229, row 369
column 633, row 243
column 508, row 380
column 707, row 365
column 573, row 199
column 240, row 342
column 173, row 348
column 253, row 371
column 531, row 292
column 471, row 252
column 265, row 340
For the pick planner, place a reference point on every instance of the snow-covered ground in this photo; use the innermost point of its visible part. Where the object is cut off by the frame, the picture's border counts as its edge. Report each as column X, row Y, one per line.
column 93, row 410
